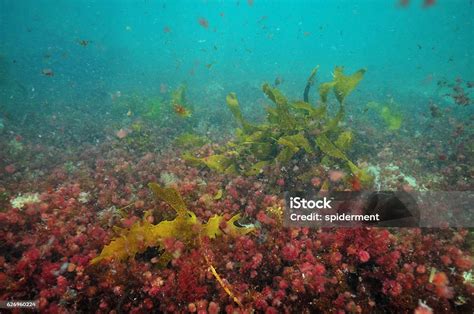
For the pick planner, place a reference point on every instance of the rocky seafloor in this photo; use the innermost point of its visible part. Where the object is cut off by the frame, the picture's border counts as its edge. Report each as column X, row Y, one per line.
column 60, row 203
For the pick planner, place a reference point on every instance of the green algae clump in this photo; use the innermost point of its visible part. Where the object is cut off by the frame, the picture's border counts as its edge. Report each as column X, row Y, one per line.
column 179, row 102
column 189, row 140
column 391, row 117
column 292, row 129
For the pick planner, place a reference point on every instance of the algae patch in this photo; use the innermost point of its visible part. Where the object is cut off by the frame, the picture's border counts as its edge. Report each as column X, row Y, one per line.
column 292, row 130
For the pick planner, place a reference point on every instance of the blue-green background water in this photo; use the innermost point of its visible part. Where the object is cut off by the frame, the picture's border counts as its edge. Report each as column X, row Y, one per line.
column 139, row 45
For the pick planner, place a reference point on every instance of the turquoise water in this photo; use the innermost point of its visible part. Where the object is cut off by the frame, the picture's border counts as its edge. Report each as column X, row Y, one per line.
column 130, row 48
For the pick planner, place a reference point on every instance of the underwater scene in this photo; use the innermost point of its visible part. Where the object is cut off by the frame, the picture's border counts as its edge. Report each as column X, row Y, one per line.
column 236, row 156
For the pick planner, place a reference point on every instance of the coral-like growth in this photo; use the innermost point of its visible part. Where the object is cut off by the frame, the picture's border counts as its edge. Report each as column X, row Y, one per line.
column 48, row 246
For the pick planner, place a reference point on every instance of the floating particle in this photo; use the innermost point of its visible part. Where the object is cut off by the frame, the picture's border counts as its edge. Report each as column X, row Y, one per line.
column 428, row 3
column 84, row 42
column 203, row 22
column 115, row 95
column 278, row 80
column 48, row 72
column 404, row 3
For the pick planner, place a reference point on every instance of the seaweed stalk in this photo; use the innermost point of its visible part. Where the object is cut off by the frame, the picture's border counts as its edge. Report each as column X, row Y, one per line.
column 309, row 83
column 224, row 286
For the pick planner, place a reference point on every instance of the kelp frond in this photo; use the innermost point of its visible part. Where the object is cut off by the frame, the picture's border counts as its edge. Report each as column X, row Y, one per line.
column 128, row 243
column 345, row 84
column 233, row 104
column 293, row 128
column 184, row 227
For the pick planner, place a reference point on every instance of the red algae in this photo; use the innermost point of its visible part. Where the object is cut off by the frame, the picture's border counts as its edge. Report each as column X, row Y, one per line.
column 364, row 256
column 47, row 247
column 10, row 169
